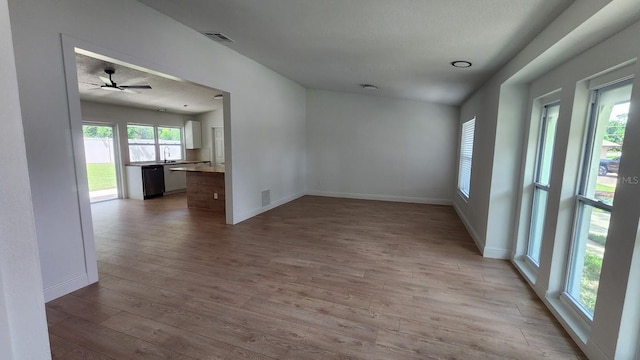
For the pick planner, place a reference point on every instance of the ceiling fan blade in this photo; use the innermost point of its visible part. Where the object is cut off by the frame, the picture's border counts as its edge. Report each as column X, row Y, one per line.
column 88, row 83
column 105, row 80
column 110, row 88
column 135, row 86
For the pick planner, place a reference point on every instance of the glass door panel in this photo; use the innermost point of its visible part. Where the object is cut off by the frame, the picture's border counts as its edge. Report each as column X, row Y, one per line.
column 100, row 157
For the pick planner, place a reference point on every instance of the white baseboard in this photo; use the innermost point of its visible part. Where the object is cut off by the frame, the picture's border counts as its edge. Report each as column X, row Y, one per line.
column 593, row 351
column 257, row 211
column 474, row 235
column 494, row 253
column 405, row 199
column 64, row 288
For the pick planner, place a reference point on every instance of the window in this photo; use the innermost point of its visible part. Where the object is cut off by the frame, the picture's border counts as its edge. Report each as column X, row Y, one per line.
column 466, row 154
column 594, row 200
column 142, row 144
column 541, row 179
column 170, row 141
column 151, row 143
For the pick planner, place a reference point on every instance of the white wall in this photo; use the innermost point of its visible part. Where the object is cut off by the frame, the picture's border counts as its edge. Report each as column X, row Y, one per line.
column 380, row 148
column 499, row 130
column 23, row 327
column 208, row 121
column 502, row 108
column 615, row 328
column 264, row 126
column 122, row 115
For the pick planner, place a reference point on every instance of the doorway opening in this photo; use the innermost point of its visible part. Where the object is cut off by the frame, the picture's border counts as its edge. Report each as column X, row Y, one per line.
column 100, row 157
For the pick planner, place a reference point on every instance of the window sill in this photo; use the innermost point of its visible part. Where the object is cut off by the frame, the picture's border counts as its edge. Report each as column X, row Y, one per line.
column 463, row 196
column 574, row 321
column 527, row 268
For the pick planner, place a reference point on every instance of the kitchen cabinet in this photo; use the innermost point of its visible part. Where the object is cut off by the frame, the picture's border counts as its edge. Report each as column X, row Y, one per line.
column 205, row 187
column 193, row 134
column 145, row 182
column 174, row 181
column 170, row 181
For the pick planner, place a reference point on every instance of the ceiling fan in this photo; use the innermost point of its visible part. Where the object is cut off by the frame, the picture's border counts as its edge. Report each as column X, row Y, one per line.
column 111, row 85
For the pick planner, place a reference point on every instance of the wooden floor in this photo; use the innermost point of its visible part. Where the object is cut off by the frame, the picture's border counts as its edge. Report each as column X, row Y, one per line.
column 318, row 278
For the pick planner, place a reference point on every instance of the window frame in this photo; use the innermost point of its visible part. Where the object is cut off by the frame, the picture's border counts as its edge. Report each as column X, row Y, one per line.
column 156, row 142
column 464, row 184
column 161, row 145
column 582, row 201
column 538, row 186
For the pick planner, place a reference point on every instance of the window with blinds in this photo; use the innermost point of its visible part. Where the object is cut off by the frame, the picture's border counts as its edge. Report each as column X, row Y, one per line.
column 466, row 155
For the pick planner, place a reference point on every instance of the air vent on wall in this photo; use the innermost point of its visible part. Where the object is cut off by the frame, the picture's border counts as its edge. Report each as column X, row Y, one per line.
column 218, row 37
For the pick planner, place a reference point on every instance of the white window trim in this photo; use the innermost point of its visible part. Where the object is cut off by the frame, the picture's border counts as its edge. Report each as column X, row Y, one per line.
column 156, row 140
column 583, row 200
column 467, row 137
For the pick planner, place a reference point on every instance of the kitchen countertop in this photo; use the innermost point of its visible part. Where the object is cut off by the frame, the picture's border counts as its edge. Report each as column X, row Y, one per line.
column 203, row 169
column 177, row 162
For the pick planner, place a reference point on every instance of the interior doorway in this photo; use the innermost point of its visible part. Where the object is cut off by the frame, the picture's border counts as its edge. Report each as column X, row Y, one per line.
column 101, row 161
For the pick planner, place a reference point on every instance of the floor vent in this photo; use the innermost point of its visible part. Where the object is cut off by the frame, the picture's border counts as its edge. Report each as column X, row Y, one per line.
column 220, row 37
column 266, row 197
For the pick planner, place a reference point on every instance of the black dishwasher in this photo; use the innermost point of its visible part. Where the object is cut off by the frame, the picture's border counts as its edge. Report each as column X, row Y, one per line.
column 152, row 181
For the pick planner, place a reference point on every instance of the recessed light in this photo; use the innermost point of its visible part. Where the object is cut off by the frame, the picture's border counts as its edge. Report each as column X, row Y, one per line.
column 162, row 110
column 368, row 87
column 218, row 97
column 461, row 64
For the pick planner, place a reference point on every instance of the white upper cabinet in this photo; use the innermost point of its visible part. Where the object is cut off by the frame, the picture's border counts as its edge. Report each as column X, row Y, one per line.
column 193, row 135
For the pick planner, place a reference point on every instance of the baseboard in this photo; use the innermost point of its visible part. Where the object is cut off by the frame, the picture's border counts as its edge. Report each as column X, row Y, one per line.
column 495, row 253
column 64, row 288
column 405, row 199
column 474, row 235
column 593, row 351
column 260, row 210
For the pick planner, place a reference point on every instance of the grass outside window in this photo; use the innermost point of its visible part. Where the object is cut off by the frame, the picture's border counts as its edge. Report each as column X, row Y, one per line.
column 590, row 281
column 101, row 176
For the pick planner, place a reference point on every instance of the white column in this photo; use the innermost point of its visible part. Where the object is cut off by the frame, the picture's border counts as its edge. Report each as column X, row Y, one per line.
column 23, row 325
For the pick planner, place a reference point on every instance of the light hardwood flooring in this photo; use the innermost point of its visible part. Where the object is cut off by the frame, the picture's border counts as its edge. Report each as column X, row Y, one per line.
column 317, row 278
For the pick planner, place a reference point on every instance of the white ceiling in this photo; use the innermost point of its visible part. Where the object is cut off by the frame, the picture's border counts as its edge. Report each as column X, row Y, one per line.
column 165, row 93
column 403, row 46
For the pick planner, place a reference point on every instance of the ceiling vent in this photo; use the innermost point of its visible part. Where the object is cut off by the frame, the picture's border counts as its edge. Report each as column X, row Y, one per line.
column 220, row 37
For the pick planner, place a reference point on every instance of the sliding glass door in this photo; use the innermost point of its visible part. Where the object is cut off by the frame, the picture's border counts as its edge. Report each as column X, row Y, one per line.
column 100, row 156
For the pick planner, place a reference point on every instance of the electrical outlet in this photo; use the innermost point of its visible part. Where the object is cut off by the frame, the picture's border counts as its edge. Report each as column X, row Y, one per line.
column 215, row 196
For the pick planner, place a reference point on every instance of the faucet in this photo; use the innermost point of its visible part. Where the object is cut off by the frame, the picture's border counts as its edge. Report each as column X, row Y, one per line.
column 167, row 153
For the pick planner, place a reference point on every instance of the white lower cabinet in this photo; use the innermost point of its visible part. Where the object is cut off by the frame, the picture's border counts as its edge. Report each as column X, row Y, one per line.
column 174, row 181
column 134, row 182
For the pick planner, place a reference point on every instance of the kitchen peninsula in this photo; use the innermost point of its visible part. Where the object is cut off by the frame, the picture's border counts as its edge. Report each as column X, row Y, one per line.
column 145, row 179
column 205, row 187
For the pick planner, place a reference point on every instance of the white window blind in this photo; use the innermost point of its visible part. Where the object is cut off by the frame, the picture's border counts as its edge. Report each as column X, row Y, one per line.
column 466, row 154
